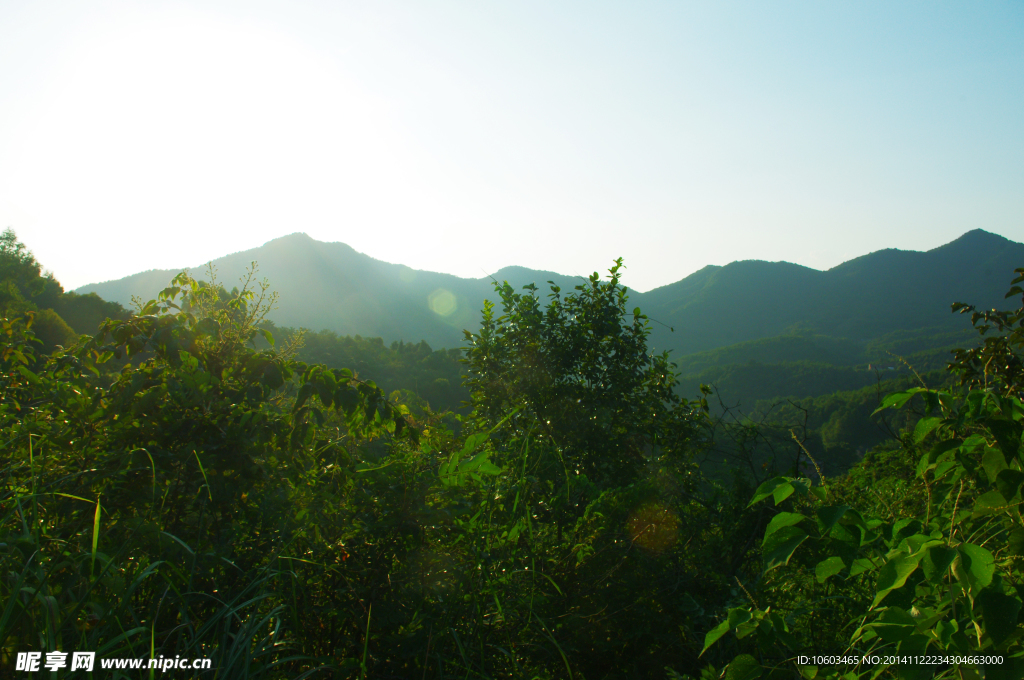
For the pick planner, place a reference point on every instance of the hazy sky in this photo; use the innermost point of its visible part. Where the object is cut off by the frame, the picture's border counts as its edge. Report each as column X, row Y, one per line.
column 466, row 136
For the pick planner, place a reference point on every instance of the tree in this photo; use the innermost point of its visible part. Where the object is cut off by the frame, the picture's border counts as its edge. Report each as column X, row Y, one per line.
column 996, row 363
column 579, row 375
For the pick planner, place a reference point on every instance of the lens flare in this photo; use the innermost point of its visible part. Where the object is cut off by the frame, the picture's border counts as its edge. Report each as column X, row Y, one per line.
column 653, row 526
column 442, row 302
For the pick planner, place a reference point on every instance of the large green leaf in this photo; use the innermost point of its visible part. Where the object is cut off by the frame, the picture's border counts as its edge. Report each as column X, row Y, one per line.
column 1007, row 434
column 894, row 625
column 480, row 463
column 999, row 613
column 828, row 516
column 988, row 504
column 737, row 616
column 978, row 566
column 473, row 441
column 936, row 561
column 924, row 427
column 781, row 520
column 894, row 573
column 994, row 462
column 829, row 567
column 767, row 489
column 779, row 547
column 897, row 399
column 1008, row 482
column 1015, row 543
column 743, row 667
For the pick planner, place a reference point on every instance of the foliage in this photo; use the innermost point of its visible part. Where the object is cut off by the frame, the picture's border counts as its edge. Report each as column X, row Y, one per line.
column 179, row 484
column 60, row 316
column 433, row 375
column 579, row 375
column 194, row 481
column 127, row 525
column 996, row 364
column 932, row 570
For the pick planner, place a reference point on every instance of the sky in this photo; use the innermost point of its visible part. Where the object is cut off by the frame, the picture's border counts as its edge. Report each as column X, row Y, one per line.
column 463, row 137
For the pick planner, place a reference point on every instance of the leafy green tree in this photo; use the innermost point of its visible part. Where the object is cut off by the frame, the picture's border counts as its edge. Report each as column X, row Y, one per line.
column 578, row 374
column 998, row 363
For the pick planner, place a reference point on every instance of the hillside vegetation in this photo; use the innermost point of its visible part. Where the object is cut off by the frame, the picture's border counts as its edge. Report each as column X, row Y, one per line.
column 184, row 483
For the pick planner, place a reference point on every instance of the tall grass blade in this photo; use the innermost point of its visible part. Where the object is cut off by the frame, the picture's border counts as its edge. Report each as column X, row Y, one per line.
column 95, row 537
column 366, row 642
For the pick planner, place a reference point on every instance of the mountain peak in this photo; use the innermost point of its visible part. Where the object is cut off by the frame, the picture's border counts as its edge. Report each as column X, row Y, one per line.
column 295, row 237
column 976, row 238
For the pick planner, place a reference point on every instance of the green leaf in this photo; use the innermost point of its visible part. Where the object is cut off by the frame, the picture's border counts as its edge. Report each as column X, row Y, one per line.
column 305, row 392
column 473, row 441
column 978, row 564
column 782, row 492
column 861, row 565
column 1007, row 434
column 1015, row 544
column 273, row 376
column 897, row 399
column 828, row 516
column 743, row 667
column 1008, row 482
column 936, row 561
column 479, row 463
column 894, row 625
column 941, row 449
column 779, row 547
column 830, row 567
column 783, row 519
column 29, row 375
column 800, row 485
column 945, row 629
column 714, row 634
column 904, row 528
column 894, row 574
column 988, row 504
column 994, row 462
column 767, row 489
column 737, row 616
column 924, row 427
column 999, row 613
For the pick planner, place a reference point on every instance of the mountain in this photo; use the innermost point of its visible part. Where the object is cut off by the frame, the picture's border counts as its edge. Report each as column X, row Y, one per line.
column 870, row 296
column 843, row 311
column 332, row 286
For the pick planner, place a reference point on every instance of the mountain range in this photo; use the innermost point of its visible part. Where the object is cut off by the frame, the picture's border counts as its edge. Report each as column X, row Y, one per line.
column 332, row 286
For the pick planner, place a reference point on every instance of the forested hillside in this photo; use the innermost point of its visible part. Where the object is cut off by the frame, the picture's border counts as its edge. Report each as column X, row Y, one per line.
column 59, row 316
column 192, row 480
column 754, row 330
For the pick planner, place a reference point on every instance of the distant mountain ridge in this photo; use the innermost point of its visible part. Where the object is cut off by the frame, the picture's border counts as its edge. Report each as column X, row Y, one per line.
column 332, row 286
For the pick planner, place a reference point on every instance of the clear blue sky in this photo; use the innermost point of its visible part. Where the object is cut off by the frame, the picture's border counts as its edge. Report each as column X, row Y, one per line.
column 467, row 136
